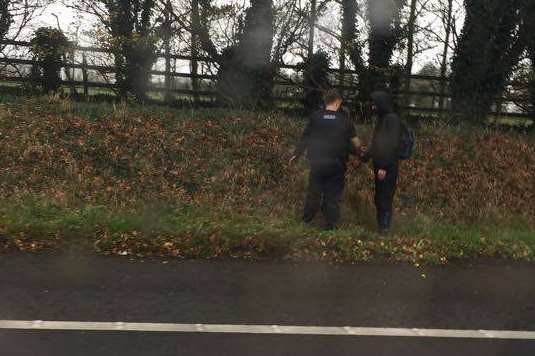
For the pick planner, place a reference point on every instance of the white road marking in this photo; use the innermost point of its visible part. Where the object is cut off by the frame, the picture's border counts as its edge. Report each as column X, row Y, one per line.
column 265, row 329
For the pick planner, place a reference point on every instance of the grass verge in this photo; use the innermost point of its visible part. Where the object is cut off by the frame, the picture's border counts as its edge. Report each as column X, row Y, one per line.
column 138, row 181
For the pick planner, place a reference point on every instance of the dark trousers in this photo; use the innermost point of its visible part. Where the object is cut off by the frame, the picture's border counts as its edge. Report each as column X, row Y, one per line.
column 384, row 195
column 325, row 188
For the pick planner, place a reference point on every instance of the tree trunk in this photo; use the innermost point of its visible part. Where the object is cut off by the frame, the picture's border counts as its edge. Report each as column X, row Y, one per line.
column 531, row 82
column 312, row 29
column 349, row 38
column 444, row 64
column 410, row 52
column 529, row 13
column 6, row 18
column 342, row 65
column 167, row 49
column 195, row 20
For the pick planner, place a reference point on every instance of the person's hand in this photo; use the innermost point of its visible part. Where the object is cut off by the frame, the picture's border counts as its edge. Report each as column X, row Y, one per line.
column 292, row 160
column 362, row 154
column 381, row 174
column 356, row 143
column 355, row 163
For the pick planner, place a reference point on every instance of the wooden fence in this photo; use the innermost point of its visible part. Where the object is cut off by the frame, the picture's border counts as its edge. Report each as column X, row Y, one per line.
column 289, row 82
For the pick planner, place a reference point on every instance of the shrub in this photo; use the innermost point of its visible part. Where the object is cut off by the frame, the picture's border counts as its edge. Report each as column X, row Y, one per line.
column 130, row 36
column 49, row 46
column 245, row 77
column 316, row 80
column 485, row 57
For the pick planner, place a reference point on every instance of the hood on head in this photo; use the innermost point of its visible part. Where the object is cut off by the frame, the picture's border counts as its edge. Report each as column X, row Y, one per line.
column 383, row 102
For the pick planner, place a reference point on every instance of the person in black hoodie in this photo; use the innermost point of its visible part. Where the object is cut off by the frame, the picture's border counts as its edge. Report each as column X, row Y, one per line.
column 384, row 152
column 329, row 138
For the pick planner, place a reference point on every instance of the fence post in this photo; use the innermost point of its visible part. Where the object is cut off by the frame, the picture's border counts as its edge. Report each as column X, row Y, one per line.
column 499, row 109
column 84, row 75
column 167, row 74
column 68, row 74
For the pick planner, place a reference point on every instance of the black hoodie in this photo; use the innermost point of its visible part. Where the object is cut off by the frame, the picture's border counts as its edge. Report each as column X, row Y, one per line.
column 384, row 148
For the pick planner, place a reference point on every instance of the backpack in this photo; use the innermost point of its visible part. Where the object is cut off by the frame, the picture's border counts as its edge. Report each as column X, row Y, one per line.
column 407, row 141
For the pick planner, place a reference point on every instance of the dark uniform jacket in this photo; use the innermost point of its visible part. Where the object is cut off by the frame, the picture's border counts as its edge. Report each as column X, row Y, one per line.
column 327, row 137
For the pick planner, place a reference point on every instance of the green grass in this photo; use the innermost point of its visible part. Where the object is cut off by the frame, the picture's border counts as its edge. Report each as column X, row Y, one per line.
column 189, row 231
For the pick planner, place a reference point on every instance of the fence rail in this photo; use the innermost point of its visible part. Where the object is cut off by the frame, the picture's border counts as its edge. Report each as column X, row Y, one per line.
column 168, row 73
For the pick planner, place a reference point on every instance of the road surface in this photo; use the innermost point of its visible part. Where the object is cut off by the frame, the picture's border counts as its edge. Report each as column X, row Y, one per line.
column 377, row 302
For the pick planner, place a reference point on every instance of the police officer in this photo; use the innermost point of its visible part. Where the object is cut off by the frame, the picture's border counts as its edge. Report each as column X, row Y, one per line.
column 329, row 138
column 384, row 152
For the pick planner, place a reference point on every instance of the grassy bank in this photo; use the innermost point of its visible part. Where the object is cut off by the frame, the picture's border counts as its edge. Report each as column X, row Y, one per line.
column 212, row 183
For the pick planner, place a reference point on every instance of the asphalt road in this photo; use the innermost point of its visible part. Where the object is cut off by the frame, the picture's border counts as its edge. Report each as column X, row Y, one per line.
column 482, row 295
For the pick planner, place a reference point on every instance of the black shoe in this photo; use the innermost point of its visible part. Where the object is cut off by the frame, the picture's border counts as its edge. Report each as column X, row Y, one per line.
column 307, row 220
column 383, row 222
column 383, row 230
column 330, row 227
column 308, row 224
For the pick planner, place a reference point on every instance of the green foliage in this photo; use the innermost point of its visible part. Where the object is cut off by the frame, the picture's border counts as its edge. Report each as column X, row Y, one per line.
column 352, row 47
column 531, row 87
column 384, row 18
column 524, row 90
column 351, row 33
column 530, row 14
column 316, row 80
column 132, row 43
column 245, row 77
column 485, row 56
column 49, row 46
